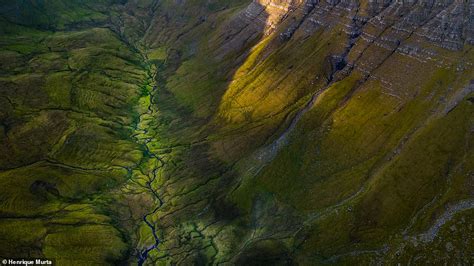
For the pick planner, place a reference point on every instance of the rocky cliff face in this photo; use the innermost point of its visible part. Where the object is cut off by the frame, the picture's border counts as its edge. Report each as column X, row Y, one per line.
column 416, row 29
column 448, row 24
column 238, row 132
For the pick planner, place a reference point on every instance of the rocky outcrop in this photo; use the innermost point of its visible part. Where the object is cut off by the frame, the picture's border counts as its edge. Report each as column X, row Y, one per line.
column 448, row 24
column 260, row 18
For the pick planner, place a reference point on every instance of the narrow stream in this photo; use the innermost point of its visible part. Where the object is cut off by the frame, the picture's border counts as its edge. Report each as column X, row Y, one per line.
column 143, row 255
column 142, row 137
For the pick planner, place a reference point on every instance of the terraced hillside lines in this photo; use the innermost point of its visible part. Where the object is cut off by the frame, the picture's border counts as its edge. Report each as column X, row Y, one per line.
column 65, row 142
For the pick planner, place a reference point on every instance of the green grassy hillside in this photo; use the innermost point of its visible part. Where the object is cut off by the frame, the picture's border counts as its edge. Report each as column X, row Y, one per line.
column 235, row 132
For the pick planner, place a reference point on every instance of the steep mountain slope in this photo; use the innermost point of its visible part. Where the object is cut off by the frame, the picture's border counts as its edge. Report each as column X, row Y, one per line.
column 237, row 132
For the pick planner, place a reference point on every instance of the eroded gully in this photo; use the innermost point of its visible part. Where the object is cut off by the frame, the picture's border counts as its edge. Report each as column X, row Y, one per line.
column 151, row 163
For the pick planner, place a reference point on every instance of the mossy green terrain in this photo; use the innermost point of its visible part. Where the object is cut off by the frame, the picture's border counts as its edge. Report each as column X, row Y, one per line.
column 232, row 132
column 67, row 113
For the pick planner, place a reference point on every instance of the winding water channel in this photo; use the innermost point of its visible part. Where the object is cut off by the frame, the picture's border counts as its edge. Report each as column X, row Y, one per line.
column 143, row 137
